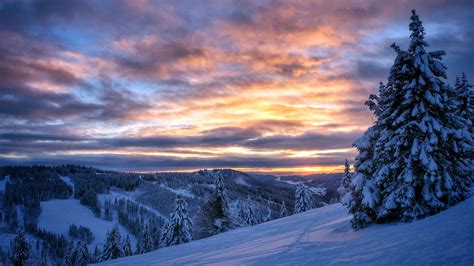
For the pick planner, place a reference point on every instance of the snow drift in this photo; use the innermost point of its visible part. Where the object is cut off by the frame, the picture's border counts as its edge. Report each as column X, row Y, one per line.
column 324, row 236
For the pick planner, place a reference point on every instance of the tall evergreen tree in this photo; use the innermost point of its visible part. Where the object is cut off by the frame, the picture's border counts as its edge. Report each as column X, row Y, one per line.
column 465, row 93
column 20, row 250
column 303, row 199
column 82, row 254
column 362, row 183
column 283, row 210
column 414, row 161
column 164, row 234
column 346, row 180
column 45, row 259
column 96, row 255
column 70, row 254
column 113, row 245
column 214, row 216
column 145, row 241
column 180, row 225
column 127, row 247
column 465, row 96
column 250, row 217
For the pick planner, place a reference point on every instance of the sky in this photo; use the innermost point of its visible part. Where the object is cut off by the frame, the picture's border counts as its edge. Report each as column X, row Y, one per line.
column 260, row 86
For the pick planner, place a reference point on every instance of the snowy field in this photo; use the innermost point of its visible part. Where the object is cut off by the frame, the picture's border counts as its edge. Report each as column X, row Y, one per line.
column 57, row 215
column 323, row 237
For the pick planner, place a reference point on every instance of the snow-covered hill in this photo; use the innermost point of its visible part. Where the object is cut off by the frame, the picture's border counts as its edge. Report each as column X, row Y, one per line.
column 323, row 236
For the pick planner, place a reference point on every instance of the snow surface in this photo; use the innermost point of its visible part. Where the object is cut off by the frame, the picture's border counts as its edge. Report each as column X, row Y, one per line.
column 289, row 181
column 240, row 180
column 57, row 215
column 180, row 191
column 323, row 236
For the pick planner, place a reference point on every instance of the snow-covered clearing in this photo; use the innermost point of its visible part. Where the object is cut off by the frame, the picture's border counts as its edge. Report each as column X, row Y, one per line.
column 241, row 181
column 289, row 181
column 182, row 192
column 323, row 236
column 57, row 215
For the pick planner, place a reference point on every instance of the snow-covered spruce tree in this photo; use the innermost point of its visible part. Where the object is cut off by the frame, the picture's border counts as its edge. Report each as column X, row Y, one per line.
column 148, row 244
column 250, row 217
column 164, row 234
column 138, row 245
column 70, row 254
column 303, row 199
column 180, row 225
column 346, row 180
column 413, row 162
column 464, row 99
column 465, row 93
column 82, row 254
column 283, row 210
column 360, row 199
column 145, row 241
column 214, row 216
column 113, row 245
column 127, row 247
column 20, row 250
column 96, row 255
column 45, row 259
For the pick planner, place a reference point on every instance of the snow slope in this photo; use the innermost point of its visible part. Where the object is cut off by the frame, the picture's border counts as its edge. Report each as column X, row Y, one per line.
column 323, row 236
column 57, row 215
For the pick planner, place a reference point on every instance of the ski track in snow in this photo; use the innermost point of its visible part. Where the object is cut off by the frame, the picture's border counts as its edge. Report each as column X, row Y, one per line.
column 324, row 237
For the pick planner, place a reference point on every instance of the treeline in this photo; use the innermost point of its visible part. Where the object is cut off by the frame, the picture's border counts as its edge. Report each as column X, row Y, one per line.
column 27, row 186
column 54, row 243
column 47, row 249
column 24, row 191
column 80, row 233
column 216, row 204
column 200, row 184
column 88, row 185
column 133, row 216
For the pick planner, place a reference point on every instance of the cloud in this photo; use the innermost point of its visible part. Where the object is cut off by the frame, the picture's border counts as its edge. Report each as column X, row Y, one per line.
column 305, row 141
column 159, row 163
column 371, row 70
column 17, row 15
column 22, row 102
column 250, row 83
column 26, row 142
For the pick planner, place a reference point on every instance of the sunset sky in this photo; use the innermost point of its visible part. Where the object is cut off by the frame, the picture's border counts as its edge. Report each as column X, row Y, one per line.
column 261, row 86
